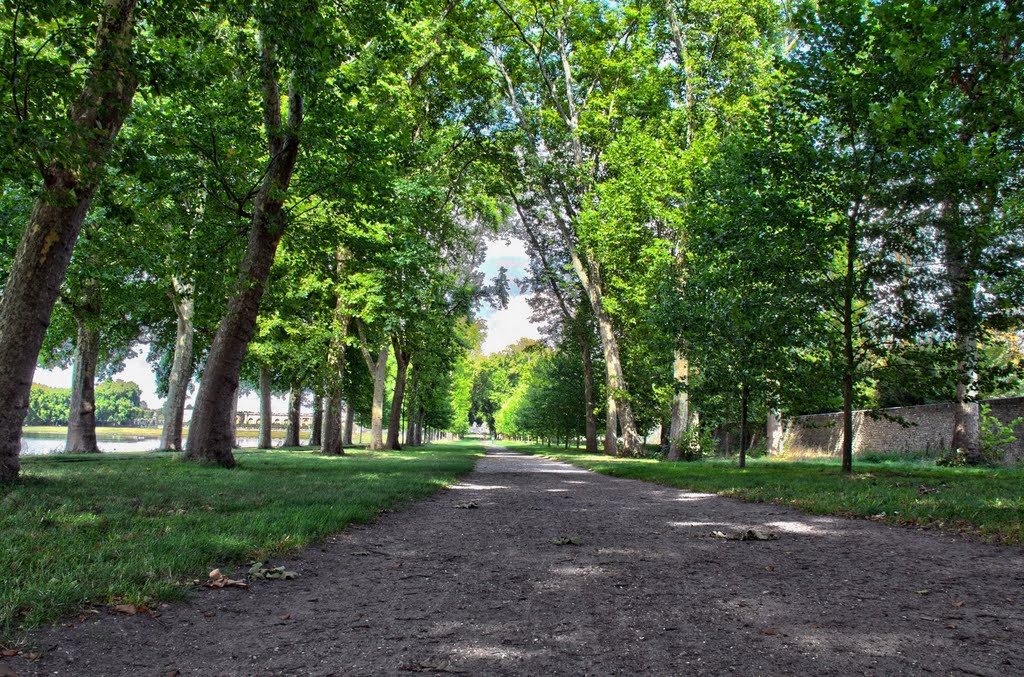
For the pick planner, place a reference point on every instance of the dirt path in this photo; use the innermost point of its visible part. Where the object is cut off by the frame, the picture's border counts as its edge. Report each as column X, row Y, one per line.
column 486, row 591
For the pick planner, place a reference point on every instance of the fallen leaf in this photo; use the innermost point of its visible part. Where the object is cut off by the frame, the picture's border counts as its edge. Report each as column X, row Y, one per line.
column 748, row 535
column 957, row 604
column 126, row 609
column 7, row 671
column 32, row 656
column 468, row 505
column 7, row 653
column 921, row 592
column 769, row 631
column 219, row 580
column 568, row 540
column 172, row 673
column 226, row 583
column 285, row 617
column 951, row 626
column 275, row 574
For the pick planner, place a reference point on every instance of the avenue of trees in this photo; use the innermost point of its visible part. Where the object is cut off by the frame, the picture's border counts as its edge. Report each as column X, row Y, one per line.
column 733, row 210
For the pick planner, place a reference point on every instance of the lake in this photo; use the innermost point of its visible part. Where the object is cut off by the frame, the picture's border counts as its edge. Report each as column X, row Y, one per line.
column 33, row 444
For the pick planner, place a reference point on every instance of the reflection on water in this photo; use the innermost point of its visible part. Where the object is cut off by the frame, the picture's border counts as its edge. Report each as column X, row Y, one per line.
column 52, row 443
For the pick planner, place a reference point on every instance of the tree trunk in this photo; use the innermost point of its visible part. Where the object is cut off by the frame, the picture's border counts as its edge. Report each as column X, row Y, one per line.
column 316, row 425
column 680, row 419
column 266, row 415
column 332, row 443
column 350, row 419
column 611, row 436
column 744, row 440
column 588, row 396
column 397, row 399
column 181, row 369
column 69, row 182
column 209, row 436
column 774, row 430
column 849, row 359
column 631, row 442
column 411, row 409
column 420, row 418
column 380, row 374
column 960, row 306
column 82, row 413
column 291, row 437
column 847, row 453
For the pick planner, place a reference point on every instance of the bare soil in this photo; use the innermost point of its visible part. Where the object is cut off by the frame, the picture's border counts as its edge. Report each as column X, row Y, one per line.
column 440, row 588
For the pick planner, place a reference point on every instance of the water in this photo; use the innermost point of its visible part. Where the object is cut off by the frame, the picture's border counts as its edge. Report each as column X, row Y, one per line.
column 33, row 444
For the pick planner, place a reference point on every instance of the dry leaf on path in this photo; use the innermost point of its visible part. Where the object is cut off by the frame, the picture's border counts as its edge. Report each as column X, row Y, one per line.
column 276, row 574
column 468, row 505
column 748, row 535
column 126, row 609
column 219, row 580
column 7, row 671
column 568, row 540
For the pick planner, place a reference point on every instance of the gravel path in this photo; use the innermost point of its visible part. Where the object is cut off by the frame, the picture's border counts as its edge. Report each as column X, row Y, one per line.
column 487, row 591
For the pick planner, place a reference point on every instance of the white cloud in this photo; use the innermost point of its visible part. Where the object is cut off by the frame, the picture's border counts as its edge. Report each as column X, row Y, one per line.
column 507, row 326
column 498, row 248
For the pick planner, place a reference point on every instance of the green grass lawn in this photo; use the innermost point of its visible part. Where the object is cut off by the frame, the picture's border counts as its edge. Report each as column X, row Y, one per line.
column 134, row 528
column 984, row 503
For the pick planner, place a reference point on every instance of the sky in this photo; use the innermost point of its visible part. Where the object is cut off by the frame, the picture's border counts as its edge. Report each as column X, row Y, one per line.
column 504, row 327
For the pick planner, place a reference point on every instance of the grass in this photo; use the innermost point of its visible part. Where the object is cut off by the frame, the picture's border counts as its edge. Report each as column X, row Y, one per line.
column 80, row 530
column 276, row 433
column 984, row 503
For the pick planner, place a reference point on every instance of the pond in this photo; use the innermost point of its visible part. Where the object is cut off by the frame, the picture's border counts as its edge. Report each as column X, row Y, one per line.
column 33, row 444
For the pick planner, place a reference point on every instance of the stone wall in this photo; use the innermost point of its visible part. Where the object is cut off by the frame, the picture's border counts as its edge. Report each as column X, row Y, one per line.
column 927, row 428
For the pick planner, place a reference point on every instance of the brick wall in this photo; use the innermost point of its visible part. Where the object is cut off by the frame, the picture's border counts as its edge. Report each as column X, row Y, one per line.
column 925, row 428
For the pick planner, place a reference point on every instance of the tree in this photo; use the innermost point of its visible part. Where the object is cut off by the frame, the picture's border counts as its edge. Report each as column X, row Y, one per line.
column 564, row 72
column 211, row 432
column 958, row 122
column 70, row 175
